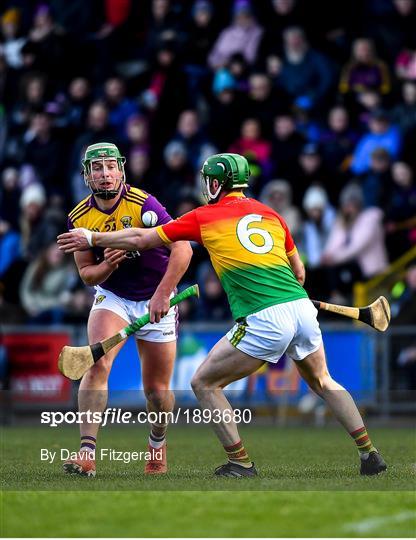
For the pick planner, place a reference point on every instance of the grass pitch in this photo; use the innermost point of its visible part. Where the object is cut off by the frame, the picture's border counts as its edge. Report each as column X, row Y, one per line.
column 308, row 486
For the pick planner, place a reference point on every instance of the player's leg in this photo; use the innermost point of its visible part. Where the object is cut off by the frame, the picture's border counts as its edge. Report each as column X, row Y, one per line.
column 314, row 371
column 223, row 365
column 157, row 361
column 93, row 392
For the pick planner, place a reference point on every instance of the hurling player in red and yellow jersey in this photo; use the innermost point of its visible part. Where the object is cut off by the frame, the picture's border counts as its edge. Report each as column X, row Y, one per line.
column 254, row 255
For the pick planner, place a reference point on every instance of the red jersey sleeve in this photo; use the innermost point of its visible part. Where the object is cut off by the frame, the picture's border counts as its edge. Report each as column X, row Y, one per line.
column 289, row 243
column 184, row 228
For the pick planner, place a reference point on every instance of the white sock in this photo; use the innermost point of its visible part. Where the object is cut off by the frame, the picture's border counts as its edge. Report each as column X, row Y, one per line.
column 87, row 450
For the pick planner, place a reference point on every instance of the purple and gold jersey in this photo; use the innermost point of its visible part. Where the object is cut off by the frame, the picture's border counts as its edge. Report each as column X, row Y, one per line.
column 138, row 276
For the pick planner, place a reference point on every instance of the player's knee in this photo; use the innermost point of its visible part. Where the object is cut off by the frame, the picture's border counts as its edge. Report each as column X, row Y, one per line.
column 200, row 384
column 99, row 373
column 320, row 383
column 156, row 395
column 197, row 384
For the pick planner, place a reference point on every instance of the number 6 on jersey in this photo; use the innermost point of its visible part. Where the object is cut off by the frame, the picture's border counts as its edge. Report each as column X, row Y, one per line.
column 244, row 234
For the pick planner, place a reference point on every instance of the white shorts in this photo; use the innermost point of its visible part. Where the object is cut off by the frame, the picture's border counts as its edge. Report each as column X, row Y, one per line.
column 290, row 328
column 130, row 310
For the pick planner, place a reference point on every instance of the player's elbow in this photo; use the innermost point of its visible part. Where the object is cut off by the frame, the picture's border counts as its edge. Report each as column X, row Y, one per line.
column 184, row 249
column 300, row 276
column 87, row 278
column 140, row 241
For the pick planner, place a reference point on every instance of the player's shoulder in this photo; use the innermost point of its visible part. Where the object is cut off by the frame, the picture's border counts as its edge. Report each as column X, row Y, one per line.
column 263, row 207
column 80, row 209
column 135, row 195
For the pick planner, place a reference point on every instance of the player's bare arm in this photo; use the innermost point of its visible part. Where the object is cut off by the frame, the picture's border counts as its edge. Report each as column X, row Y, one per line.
column 134, row 239
column 180, row 257
column 297, row 267
column 93, row 273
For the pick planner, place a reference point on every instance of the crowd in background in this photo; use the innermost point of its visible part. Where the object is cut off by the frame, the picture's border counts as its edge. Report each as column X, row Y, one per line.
column 319, row 96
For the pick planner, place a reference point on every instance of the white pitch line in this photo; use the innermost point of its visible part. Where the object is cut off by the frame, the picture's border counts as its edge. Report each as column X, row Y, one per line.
column 367, row 525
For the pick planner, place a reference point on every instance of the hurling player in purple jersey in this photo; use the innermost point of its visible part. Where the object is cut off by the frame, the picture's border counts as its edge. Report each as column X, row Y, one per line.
column 128, row 284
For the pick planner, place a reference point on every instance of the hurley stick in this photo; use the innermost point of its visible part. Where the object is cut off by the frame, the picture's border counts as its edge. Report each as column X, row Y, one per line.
column 376, row 314
column 73, row 362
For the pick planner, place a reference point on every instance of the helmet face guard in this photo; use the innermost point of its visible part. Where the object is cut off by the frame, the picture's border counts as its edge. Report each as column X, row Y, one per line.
column 102, row 152
column 230, row 170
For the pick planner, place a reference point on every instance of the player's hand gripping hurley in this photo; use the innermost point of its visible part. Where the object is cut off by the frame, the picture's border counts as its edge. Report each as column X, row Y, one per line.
column 73, row 362
column 376, row 315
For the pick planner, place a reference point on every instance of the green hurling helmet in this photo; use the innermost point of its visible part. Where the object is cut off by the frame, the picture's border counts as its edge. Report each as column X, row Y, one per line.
column 100, row 152
column 230, row 170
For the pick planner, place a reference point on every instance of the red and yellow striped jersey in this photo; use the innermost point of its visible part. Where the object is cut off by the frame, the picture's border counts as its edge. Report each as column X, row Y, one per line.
column 249, row 244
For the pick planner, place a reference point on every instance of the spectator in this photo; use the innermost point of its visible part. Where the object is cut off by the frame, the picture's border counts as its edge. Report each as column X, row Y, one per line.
column 404, row 113
column 365, row 71
column 251, row 143
column 138, row 171
column 401, row 210
column 264, row 102
column 227, row 110
column 46, row 44
column 32, row 205
column 305, row 72
column 120, row 107
column 355, row 249
column 278, row 195
column 190, row 133
column 395, row 29
column 287, row 144
column 137, row 134
column 10, row 193
column 32, row 99
column 368, row 102
column 311, row 171
column 11, row 43
column 77, row 103
column 201, row 35
column 320, row 218
column 405, row 65
column 202, row 32
column 166, row 93
column 44, row 152
column 9, row 247
column 306, row 124
column 381, row 135
column 176, row 177
column 338, row 140
column 282, row 14
column 318, row 225
column 45, row 286
column 376, row 182
column 242, row 36
column 240, row 70
column 162, row 25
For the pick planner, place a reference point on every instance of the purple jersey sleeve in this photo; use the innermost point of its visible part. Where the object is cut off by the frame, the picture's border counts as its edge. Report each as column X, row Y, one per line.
column 151, row 203
column 69, row 224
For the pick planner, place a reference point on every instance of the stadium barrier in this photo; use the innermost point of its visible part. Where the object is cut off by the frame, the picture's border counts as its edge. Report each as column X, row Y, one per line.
column 378, row 369
column 365, row 293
